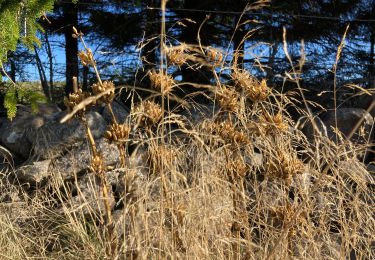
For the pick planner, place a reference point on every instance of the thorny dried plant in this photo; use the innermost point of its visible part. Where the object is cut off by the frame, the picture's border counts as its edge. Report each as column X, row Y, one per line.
column 227, row 132
column 228, row 99
column 74, row 99
column 161, row 81
column 101, row 87
column 256, row 91
column 177, row 55
column 148, row 113
column 283, row 165
column 273, row 123
column 228, row 206
column 117, row 133
column 214, row 56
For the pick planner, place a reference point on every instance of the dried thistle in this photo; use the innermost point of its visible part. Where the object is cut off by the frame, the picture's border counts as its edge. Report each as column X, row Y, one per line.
column 273, row 123
column 227, row 132
column 237, row 169
column 74, row 99
column 161, row 81
column 177, row 55
column 117, row 132
column 86, row 57
column 99, row 88
column 214, row 56
column 149, row 113
column 284, row 165
column 228, row 99
column 97, row 164
column 254, row 90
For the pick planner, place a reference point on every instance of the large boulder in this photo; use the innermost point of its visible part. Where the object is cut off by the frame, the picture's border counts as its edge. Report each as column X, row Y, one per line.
column 34, row 173
column 77, row 159
column 305, row 124
column 120, row 112
column 347, row 119
column 86, row 197
column 13, row 134
column 53, row 138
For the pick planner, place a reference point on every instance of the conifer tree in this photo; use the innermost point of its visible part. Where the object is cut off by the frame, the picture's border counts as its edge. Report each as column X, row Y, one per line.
column 18, row 24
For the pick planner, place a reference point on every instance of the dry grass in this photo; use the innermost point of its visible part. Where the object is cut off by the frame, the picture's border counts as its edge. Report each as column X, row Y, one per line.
column 201, row 190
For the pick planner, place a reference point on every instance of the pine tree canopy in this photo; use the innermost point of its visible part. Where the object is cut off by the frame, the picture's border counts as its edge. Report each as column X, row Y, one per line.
column 18, row 23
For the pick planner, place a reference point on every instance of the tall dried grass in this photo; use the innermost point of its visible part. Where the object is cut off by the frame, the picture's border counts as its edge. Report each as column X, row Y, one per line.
column 241, row 184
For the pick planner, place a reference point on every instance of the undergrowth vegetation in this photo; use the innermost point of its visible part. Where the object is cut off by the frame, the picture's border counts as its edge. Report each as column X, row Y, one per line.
column 239, row 183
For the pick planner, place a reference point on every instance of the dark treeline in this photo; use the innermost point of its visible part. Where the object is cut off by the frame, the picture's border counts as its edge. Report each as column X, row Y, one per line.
column 129, row 31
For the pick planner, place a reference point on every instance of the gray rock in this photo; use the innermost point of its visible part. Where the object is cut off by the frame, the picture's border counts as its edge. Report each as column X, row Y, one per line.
column 54, row 138
column 77, row 159
column 197, row 114
column 306, row 126
column 34, row 173
column 89, row 199
column 120, row 112
column 13, row 134
column 347, row 118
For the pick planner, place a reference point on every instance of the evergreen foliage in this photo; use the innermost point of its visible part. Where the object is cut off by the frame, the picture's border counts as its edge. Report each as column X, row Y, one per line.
column 18, row 23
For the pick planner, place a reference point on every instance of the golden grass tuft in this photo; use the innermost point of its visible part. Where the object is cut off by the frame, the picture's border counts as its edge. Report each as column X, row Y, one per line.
column 239, row 184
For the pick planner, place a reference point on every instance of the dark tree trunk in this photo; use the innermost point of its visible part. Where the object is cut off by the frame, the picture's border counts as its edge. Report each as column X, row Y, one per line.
column 13, row 69
column 85, row 73
column 42, row 75
column 71, row 45
column 239, row 43
column 190, row 36
column 50, row 61
column 151, row 30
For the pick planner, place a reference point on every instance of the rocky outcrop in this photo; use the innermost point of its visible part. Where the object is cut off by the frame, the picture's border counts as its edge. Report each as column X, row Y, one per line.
column 347, row 118
column 53, row 138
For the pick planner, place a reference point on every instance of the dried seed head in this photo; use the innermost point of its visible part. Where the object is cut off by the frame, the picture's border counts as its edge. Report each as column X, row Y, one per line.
column 86, row 57
column 273, row 124
column 148, row 113
column 74, row 99
column 228, row 99
column 97, row 164
column 177, row 55
column 214, row 56
column 99, row 88
column 283, row 164
column 161, row 81
column 236, row 169
column 254, row 90
column 227, row 132
column 117, row 133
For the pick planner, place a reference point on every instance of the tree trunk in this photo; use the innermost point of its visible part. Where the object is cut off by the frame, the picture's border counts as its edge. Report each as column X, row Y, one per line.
column 50, row 61
column 190, row 36
column 71, row 45
column 151, row 29
column 42, row 75
column 239, row 44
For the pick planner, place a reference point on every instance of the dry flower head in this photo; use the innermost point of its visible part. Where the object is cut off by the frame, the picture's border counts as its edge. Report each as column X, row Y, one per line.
column 272, row 123
column 97, row 164
column 74, row 99
column 117, row 132
column 228, row 99
column 86, row 57
column 214, row 56
column 177, row 55
column 161, row 81
column 283, row 164
column 254, row 90
column 99, row 88
column 148, row 113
